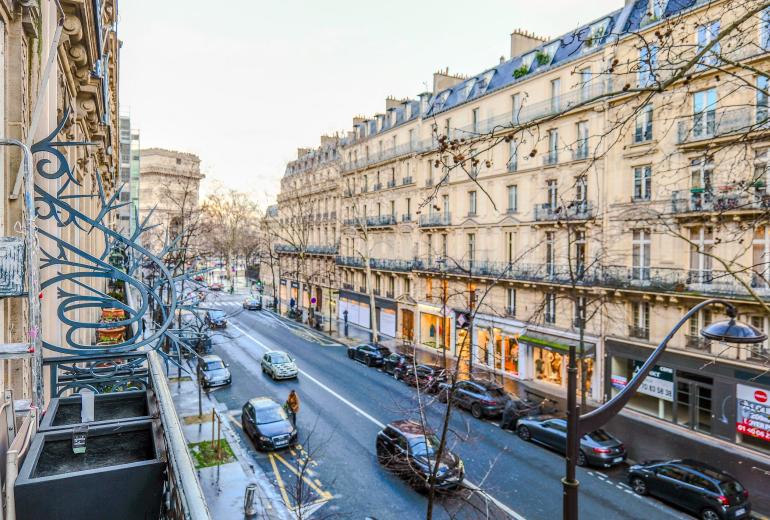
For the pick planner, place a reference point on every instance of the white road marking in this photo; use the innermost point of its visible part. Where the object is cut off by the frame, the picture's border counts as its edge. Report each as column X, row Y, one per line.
column 470, row 485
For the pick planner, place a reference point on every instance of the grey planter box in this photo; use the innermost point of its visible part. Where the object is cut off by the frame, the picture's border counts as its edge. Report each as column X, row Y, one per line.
column 64, row 412
column 120, row 476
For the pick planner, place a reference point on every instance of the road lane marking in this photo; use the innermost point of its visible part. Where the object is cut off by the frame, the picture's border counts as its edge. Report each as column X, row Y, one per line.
column 298, row 473
column 466, row 482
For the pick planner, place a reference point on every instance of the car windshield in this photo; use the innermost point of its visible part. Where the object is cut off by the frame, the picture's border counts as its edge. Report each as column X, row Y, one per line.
column 496, row 392
column 600, row 436
column 279, row 359
column 383, row 351
column 270, row 415
column 423, row 446
column 217, row 314
column 214, row 365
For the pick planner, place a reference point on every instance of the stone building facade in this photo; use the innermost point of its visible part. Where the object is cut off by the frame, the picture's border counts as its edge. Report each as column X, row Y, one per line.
column 554, row 200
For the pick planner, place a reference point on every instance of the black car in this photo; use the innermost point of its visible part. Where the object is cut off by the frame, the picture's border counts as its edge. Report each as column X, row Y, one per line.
column 482, row 398
column 597, row 448
column 266, row 422
column 199, row 341
column 410, row 450
column 216, row 319
column 396, row 363
column 371, row 355
column 428, row 377
column 700, row 489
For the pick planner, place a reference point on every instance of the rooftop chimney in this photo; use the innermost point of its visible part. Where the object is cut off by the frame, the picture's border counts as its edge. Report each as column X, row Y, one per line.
column 523, row 41
column 301, row 152
column 424, row 100
column 391, row 102
column 328, row 140
column 442, row 80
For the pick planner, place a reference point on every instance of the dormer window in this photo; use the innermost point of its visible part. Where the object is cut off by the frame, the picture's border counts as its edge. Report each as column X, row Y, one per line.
column 526, row 65
column 657, row 8
column 462, row 94
column 545, row 55
column 483, row 82
column 596, row 32
column 441, row 98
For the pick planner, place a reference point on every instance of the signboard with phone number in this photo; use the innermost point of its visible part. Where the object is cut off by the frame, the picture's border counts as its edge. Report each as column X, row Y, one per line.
column 753, row 417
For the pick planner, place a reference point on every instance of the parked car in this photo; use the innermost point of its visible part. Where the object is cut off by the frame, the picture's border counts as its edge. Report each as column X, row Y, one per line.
column 396, row 363
column 482, row 398
column 410, row 450
column 279, row 365
column 698, row 488
column 216, row 286
column 371, row 355
column 216, row 319
column 266, row 422
column 252, row 303
column 200, row 341
column 597, row 448
column 429, row 377
column 212, row 371
column 198, row 277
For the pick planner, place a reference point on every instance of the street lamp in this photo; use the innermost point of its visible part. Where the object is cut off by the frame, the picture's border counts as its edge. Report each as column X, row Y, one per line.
column 727, row 331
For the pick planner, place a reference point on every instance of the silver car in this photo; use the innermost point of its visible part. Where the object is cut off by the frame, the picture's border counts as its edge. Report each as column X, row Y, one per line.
column 279, row 365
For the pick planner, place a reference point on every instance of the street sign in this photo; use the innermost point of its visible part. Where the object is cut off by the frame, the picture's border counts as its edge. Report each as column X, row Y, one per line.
column 313, row 300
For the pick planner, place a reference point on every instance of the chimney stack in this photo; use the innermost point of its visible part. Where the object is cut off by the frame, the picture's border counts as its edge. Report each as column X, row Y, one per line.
column 523, row 41
column 442, row 80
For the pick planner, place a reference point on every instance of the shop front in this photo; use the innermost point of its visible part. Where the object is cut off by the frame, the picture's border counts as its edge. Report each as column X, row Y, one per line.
column 407, row 324
column 497, row 345
column 730, row 402
column 434, row 330
column 548, row 358
column 357, row 307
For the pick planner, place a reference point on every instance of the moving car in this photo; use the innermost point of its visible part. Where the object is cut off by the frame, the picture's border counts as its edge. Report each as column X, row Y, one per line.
column 371, row 355
column 597, row 448
column 427, row 376
column 410, row 450
column 252, row 303
column 396, row 363
column 216, row 319
column 279, row 365
column 216, row 286
column 698, row 488
column 212, row 371
column 266, row 422
column 482, row 398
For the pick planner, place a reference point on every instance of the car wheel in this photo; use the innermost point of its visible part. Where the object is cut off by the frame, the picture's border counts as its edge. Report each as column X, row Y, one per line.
column 476, row 411
column 639, row 486
column 397, row 375
column 524, row 433
column 263, row 369
column 382, row 457
column 350, row 354
column 369, row 361
column 709, row 514
column 443, row 396
column 581, row 459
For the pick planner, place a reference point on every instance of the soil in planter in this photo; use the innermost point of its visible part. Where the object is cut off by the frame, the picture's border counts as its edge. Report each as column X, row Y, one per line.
column 104, row 410
column 101, row 451
column 205, row 454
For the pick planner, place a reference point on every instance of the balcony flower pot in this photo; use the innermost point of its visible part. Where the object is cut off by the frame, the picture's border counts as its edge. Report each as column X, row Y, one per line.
column 110, row 333
column 117, row 407
column 120, row 475
column 112, row 314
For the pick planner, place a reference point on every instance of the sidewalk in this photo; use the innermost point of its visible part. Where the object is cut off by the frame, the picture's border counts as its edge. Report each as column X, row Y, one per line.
column 223, row 485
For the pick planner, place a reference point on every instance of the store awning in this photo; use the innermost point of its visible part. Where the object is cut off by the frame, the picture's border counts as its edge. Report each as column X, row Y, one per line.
column 556, row 343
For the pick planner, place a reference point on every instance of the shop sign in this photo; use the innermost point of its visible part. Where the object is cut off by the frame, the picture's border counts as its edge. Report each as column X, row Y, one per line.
column 658, row 383
column 753, row 412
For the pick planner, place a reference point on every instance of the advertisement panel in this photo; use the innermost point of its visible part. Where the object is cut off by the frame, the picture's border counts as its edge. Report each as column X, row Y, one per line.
column 753, row 416
column 658, row 383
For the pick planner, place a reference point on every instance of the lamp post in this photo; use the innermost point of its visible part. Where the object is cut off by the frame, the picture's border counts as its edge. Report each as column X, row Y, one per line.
column 727, row 331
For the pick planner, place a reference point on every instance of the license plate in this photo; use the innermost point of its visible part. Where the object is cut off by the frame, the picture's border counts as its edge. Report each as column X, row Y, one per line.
column 741, row 511
column 617, row 459
column 281, row 443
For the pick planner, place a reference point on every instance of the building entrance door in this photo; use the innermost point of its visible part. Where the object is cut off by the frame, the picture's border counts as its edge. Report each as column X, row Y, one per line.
column 694, row 403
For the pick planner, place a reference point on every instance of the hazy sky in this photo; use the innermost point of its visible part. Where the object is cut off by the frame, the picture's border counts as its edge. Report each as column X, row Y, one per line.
column 243, row 83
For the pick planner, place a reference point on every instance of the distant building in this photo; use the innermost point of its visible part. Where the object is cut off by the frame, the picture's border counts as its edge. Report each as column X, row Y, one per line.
column 129, row 175
column 169, row 184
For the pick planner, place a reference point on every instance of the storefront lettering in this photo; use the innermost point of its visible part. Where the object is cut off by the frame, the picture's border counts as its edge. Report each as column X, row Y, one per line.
column 753, row 417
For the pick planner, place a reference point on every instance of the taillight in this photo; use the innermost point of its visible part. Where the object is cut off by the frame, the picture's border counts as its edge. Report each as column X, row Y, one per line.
column 490, row 403
column 745, row 493
column 723, row 500
column 602, row 450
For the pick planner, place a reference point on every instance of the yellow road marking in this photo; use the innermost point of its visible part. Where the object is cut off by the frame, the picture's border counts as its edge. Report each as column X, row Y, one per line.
column 281, row 485
column 321, row 492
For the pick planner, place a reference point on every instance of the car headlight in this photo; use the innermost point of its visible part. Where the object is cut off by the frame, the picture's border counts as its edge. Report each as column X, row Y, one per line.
column 461, row 465
column 264, row 439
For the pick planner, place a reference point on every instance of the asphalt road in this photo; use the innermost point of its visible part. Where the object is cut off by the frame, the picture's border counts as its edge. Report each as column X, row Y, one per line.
column 344, row 404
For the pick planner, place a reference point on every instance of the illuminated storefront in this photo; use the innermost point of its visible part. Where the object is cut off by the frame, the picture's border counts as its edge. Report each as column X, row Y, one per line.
column 496, row 345
column 548, row 359
column 434, row 329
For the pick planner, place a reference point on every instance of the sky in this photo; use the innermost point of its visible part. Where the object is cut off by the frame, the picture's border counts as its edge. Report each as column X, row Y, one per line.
column 244, row 83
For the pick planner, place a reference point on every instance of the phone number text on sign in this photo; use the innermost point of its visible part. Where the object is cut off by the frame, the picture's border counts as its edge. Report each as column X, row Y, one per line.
column 754, row 432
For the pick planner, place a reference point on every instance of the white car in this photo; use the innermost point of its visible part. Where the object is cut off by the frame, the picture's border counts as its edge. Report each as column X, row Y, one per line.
column 279, row 365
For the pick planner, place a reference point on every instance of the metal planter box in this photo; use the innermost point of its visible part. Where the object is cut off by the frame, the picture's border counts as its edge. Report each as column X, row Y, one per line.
column 64, row 412
column 120, row 476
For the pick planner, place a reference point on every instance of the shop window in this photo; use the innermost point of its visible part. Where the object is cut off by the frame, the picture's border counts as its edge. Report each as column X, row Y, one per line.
column 511, row 355
column 656, row 394
column 548, row 365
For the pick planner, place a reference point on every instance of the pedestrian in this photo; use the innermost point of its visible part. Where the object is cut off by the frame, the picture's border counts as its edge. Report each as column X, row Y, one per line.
column 292, row 406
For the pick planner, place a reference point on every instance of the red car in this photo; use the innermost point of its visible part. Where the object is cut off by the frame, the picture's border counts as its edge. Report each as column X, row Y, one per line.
column 216, row 286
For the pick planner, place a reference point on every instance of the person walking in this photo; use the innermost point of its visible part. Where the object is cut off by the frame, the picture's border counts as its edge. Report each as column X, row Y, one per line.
column 292, row 406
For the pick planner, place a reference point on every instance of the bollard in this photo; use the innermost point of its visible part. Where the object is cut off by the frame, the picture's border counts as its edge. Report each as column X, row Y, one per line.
column 248, row 500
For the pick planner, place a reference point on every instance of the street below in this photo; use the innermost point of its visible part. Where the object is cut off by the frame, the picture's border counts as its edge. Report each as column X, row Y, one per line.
column 343, row 406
